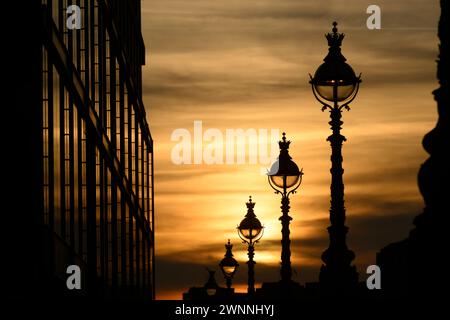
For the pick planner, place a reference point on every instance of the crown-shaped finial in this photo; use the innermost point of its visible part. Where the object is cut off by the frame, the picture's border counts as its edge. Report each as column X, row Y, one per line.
column 250, row 204
column 335, row 38
column 284, row 145
column 229, row 246
column 334, row 27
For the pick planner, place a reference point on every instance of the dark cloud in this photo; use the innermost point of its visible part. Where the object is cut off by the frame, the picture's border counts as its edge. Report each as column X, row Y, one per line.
column 187, row 172
column 371, row 233
column 207, row 89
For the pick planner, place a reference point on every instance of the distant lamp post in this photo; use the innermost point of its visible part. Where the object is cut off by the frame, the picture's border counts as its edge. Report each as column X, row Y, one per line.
column 285, row 178
column 211, row 285
column 228, row 265
column 250, row 231
column 335, row 86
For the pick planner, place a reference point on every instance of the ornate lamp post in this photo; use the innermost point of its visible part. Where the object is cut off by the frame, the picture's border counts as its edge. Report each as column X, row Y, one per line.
column 285, row 178
column 335, row 86
column 228, row 265
column 250, row 231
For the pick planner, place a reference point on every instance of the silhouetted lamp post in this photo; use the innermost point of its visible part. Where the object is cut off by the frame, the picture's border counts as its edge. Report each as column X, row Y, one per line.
column 228, row 265
column 285, row 177
column 335, row 86
column 211, row 285
column 250, row 231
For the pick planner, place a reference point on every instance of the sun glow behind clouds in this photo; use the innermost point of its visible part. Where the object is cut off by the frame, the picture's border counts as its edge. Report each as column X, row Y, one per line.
column 235, row 64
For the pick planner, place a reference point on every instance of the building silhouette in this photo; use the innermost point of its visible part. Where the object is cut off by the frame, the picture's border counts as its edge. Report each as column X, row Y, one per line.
column 412, row 267
column 87, row 150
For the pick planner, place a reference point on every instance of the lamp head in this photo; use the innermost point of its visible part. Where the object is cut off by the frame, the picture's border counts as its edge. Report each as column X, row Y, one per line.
column 335, row 80
column 250, row 229
column 228, row 265
column 284, row 173
column 211, row 285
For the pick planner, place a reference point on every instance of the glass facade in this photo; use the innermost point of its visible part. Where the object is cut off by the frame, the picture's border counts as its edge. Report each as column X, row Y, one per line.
column 97, row 148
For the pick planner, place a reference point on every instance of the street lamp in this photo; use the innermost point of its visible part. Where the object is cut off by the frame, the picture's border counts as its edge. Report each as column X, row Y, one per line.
column 285, row 177
column 250, row 231
column 335, row 86
column 228, row 265
column 211, row 285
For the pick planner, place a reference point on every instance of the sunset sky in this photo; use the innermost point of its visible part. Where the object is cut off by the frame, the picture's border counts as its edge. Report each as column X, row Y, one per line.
column 244, row 64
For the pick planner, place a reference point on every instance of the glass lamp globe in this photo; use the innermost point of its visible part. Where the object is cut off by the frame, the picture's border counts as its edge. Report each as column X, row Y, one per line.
column 335, row 80
column 286, row 177
column 250, row 229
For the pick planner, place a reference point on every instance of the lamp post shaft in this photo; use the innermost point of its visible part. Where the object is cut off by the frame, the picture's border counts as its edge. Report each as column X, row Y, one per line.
column 337, row 273
column 228, row 280
column 337, row 210
column 286, row 270
column 251, row 269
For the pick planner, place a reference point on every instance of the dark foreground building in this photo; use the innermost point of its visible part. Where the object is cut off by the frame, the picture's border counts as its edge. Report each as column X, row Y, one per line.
column 414, row 267
column 86, row 185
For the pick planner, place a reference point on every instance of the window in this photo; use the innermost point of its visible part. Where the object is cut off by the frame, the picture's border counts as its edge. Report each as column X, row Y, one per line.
column 46, row 91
